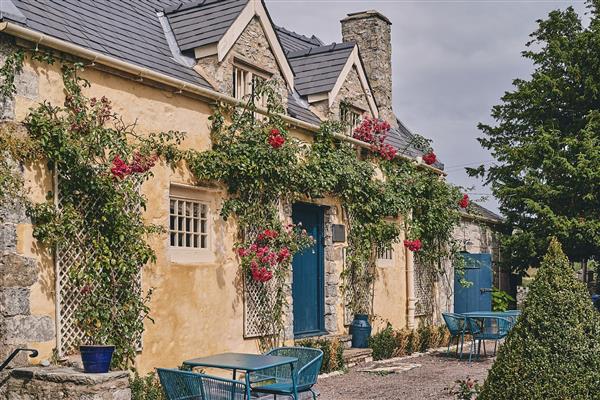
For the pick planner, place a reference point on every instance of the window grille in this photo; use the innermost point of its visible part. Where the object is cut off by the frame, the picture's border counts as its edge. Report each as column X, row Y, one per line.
column 244, row 85
column 69, row 255
column 351, row 117
column 385, row 254
column 188, row 224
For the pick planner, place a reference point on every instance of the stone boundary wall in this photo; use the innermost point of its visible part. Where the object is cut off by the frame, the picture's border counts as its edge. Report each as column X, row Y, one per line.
column 55, row 383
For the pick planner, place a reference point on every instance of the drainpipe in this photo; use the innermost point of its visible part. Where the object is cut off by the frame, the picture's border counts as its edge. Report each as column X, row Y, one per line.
column 179, row 85
column 411, row 300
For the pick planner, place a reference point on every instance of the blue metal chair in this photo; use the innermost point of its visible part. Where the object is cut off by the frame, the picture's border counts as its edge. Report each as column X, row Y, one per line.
column 180, row 385
column 487, row 328
column 278, row 380
column 457, row 325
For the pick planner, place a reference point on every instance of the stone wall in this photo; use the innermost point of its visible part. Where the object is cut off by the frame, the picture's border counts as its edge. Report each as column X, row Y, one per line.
column 18, row 273
column 351, row 92
column 253, row 47
column 63, row 384
column 372, row 32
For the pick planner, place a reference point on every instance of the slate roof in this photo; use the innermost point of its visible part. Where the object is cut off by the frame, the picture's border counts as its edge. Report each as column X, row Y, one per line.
column 403, row 140
column 298, row 108
column 127, row 30
column 318, row 68
column 477, row 210
column 204, row 22
column 292, row 41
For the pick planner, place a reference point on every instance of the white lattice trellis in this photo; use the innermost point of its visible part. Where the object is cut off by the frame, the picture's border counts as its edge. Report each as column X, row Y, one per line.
column 424, row 283
column 258, row 305
column 69, row 254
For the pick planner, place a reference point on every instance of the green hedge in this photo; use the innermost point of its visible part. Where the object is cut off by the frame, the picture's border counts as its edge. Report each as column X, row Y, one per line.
column 146, row 387
column 333, row 353
column 553, row 352
column 388, row 343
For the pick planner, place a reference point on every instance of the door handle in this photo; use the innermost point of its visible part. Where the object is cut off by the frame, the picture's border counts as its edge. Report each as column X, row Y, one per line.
column 486, row 290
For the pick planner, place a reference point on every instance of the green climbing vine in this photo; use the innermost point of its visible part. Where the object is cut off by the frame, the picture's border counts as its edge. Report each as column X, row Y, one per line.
column 264, row 167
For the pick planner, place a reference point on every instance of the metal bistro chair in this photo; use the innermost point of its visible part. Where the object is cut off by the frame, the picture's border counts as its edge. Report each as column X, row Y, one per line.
column 278, row 380
column 457, row 325
column 180, row 385
column 487, row 328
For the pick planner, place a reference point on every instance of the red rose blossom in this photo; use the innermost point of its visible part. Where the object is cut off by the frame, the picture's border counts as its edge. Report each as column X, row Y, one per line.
column 276, row 141
column 464, row 202
column 430, row 158
column 120, row 168
column 413, row 245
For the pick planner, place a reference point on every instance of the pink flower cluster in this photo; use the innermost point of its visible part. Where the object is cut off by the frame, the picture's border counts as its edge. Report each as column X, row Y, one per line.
column 413, row 245
column 374, row 131
column 464, row 202
column 276, row 140
column 264, row 256
column 138, row 165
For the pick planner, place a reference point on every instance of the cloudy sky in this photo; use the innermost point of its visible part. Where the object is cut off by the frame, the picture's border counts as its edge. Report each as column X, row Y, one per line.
column 452, row 61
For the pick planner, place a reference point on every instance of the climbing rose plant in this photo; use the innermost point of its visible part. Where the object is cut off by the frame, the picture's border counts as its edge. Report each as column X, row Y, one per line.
column 270, row 253
column 374, row 131
column 101, row 163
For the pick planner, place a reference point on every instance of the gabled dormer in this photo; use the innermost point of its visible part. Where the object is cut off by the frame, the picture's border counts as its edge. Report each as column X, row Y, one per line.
column 234, row 43
column 333, row 80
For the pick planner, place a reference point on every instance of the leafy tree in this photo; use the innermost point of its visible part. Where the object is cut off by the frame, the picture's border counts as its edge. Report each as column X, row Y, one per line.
column 552, row 352
column 546, row 141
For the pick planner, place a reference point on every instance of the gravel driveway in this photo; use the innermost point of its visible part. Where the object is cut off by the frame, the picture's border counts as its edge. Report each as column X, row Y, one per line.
column 429, row 381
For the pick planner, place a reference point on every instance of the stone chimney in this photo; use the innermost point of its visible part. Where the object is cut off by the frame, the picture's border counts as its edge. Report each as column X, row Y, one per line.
column 372, row 32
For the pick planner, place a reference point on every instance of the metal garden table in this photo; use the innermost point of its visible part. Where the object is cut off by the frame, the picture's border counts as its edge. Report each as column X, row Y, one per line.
column 245, row 362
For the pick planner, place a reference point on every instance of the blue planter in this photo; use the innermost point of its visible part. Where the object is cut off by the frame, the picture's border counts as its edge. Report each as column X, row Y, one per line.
column 96, row 359
column 361, row 331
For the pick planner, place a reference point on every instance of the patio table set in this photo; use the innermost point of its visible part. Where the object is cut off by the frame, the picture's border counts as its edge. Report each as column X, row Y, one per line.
column 482, row 326
column 287, row 371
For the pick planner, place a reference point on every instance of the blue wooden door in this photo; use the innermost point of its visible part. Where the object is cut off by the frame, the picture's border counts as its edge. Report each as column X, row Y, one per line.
column 478, row 295
column 308, row 274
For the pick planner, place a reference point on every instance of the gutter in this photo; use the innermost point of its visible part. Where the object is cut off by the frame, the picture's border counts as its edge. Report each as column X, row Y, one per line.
column 180, row 85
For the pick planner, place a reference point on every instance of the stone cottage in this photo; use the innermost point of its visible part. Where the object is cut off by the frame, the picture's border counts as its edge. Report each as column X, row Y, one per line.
column 164, row 63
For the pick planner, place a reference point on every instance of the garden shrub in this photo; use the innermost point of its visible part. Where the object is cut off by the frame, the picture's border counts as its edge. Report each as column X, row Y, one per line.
column 333, row 353
column 146, row 387
column 425, row 333
column 553, row 351
column 384, row 343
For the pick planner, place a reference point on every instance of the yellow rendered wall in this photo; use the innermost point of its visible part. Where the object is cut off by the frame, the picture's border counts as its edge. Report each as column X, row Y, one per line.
column 197, row 309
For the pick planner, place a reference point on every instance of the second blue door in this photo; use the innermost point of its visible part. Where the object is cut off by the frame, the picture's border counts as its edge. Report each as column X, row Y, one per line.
column 308, row 274
column 478, row 295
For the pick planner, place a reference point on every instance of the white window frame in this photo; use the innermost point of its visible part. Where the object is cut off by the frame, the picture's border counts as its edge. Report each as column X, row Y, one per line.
column 244, row 78
column 351, row 116
column 192, row 255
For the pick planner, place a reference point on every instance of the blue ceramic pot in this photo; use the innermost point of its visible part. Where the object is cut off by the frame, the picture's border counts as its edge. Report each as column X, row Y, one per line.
column 96, row 359
column 361, row 331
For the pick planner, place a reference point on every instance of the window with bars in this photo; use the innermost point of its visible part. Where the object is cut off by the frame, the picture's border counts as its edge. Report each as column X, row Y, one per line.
column 188, row 224
column 351, row 117
column 385, row 254
column 245, row 81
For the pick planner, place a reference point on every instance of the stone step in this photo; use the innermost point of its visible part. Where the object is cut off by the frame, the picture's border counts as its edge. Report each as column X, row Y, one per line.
column 345, row 340
column 354, row 357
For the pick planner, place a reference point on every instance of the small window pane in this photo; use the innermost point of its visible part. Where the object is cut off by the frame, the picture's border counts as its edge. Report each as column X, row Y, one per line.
column 188, row 224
